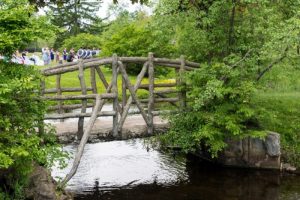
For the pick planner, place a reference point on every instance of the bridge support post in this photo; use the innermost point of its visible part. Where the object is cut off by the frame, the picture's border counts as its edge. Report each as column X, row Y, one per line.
column 115, row 91
column 182, row 93
column 59, row 93
column 151, row 93
column 93, row 82
column 124, row 96
column 84, row 102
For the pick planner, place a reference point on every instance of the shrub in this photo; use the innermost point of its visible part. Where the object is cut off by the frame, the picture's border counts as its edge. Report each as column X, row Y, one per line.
column 83, row 40
column 22, row 111
column 220, row 108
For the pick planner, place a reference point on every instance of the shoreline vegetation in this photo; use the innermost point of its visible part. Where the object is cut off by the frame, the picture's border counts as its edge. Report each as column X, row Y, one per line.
column 248, row 81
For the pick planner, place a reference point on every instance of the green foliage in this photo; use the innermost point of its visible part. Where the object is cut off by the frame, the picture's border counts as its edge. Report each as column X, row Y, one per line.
column 83, row 40
column 133, row 37
column 22, row 112
column 21, row 109
column 265, row 35
column 220, row 108
column 75, row 17
column 19, row 26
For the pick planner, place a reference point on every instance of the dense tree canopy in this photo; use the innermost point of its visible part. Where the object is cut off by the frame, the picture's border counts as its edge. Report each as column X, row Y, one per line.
column 238, row 43
column 19, row 25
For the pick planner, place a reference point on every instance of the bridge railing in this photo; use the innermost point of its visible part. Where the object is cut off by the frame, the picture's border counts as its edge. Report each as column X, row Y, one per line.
column 120, row 108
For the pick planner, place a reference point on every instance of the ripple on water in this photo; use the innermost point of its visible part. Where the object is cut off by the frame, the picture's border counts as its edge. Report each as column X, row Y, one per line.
column 118, row 164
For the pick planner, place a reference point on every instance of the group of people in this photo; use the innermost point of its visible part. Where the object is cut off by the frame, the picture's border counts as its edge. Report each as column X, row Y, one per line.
column 50, row 56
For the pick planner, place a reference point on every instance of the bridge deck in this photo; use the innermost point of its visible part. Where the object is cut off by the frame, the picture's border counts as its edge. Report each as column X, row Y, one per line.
column 134, row 127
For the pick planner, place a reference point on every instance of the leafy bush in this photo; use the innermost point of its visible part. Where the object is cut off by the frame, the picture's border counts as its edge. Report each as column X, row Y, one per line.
column 83, row 40
column 220, row 108
column 22, row 110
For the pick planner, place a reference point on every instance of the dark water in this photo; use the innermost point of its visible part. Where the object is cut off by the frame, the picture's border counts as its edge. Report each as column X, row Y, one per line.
column 130, row 170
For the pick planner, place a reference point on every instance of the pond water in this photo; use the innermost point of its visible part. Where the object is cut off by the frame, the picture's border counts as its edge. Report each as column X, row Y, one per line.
column 131, row 170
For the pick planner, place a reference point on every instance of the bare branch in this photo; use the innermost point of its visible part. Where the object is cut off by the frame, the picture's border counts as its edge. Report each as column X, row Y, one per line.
column 278, row 60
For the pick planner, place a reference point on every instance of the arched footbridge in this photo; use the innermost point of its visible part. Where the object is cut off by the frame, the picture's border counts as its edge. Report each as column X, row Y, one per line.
column 95, row 89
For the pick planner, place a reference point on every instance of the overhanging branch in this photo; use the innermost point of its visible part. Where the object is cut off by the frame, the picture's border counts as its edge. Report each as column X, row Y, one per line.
column 278, row 60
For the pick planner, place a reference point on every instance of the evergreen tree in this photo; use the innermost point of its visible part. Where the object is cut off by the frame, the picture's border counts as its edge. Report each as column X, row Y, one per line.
column 75, row 16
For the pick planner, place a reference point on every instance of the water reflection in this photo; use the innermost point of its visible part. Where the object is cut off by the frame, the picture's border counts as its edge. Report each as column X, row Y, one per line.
column 126, row 170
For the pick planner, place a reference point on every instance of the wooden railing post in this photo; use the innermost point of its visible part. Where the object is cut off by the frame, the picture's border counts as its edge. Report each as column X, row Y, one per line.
column 182, row 93
column 84, row 101
column 151, row 93
column 59, row 92
column 93, row 82
column 115, row 91
column 41, row 129
column 183, row 85
column 124, row 96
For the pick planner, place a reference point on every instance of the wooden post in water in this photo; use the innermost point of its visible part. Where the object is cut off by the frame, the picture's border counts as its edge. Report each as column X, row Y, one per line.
column 115, row 91
column 151, row 93
column 84, row 101
column 182, row 94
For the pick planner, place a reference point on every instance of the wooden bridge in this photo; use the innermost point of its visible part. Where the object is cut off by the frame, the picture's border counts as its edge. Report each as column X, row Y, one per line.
column 90, row 97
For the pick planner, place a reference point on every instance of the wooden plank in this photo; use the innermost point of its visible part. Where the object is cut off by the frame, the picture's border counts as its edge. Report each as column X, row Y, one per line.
column 133, row 93
column 69, row 107
column 84, row 101
column 102, row 77
column 54, row 90
column 136, row 86
column 93, row 81
column 115, row 91
column 80, row 97
column 167, row 91
column 43, row 86
column 58, row 88
column 84, row 139
column 160, row 100
column 124, row 96
column 182, row 94
column 146, row 86
column 73, row 68
column 151, row 93
column 78, row 115
column 69, row 67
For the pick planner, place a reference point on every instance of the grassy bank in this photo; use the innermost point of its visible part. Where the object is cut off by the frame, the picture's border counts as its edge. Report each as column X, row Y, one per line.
column 280, row 112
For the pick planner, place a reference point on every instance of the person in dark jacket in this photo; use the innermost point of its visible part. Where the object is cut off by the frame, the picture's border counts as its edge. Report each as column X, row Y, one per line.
column 52, row 54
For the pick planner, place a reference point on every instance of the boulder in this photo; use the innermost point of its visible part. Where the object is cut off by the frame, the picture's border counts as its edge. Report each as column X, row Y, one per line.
column 42, row 186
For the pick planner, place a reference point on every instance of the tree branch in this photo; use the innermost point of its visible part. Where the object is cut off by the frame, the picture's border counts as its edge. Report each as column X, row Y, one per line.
column 260, row 75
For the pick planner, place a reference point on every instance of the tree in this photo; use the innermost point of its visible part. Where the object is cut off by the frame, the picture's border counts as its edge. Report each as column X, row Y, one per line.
column 74, row 17
column 19, row 26
column 132, row 36
column 237, row 43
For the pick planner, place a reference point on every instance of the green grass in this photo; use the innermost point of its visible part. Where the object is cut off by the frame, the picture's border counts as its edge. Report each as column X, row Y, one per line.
column 280, row 112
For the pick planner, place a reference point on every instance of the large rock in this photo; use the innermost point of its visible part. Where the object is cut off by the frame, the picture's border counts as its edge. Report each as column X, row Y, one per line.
column 253, row 152
column 250, row 153
column 43, row 187
column 273, row 144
